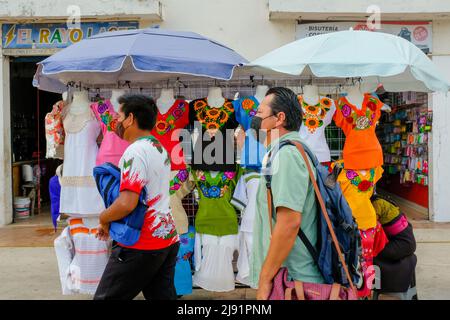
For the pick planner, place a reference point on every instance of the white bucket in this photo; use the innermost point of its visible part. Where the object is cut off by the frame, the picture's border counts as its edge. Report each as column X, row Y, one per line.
column 27, row 173
column 22, row 207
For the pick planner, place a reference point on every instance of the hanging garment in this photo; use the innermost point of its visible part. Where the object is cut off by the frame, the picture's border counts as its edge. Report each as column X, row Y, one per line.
column 165, row 130
column 183, row 270
column 362, row 149
column 64, row 254
column 112, row 147
column 146, row 164
column 81, row 257
column 373, row 241
column 54, row 188
column 180, row 187
column 252, row 151
column 244, row 199
column 215, row 215
column 54, row 131
column 214, row 262
column 214, row 150
column 357, row 187
column 79, row 194
column 315, row 119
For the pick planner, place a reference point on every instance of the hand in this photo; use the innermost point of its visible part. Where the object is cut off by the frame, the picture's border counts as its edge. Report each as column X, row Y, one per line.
column 103, row 232
column 264, row 289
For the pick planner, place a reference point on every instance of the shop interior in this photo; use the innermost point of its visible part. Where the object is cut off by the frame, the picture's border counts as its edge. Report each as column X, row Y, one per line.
column 28, row 142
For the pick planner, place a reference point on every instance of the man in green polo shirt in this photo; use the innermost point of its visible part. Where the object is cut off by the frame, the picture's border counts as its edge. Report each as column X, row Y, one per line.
column 278, row 119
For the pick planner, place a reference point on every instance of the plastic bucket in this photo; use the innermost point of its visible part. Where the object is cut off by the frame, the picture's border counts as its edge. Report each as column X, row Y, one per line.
column 22, row 207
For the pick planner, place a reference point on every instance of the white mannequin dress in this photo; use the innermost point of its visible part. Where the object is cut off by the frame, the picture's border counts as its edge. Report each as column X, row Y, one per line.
column 79, row 194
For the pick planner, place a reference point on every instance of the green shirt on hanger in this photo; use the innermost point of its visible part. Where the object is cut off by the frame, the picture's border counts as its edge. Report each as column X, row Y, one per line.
column 215, row 214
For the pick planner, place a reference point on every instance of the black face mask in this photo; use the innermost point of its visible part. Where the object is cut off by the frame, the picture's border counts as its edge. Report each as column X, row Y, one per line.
column 255, row 125
column 120, row 129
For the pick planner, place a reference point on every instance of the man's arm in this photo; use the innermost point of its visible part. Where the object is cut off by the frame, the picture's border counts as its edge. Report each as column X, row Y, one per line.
column 121, row 207
column 283, row 238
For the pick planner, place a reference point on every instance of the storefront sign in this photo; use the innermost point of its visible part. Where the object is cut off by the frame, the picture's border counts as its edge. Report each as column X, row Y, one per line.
column 43, row 37
column 418, row 33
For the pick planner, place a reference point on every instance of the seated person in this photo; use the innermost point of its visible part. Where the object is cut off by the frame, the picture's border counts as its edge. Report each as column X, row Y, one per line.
column 397, row 261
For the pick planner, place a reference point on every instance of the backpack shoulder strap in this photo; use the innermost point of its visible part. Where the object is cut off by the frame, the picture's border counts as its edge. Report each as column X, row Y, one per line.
column 268, row 176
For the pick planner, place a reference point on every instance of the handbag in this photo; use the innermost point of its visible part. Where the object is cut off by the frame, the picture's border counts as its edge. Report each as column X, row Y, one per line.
column 284, row 289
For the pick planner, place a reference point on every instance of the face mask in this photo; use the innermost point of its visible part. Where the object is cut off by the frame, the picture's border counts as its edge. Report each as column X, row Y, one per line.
column 120, row 129
column 255, row 125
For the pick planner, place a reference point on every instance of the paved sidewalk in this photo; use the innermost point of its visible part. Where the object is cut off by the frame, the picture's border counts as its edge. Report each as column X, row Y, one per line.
column 29, row 268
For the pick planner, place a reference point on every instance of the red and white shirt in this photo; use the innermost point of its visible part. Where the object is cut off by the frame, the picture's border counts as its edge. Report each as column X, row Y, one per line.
column 145, row 163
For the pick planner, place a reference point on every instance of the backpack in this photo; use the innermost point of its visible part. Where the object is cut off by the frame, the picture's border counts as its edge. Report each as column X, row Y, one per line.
column 338, row 251
column 126, row 230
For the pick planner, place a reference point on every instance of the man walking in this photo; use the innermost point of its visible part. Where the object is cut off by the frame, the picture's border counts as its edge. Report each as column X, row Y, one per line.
column 149, row 265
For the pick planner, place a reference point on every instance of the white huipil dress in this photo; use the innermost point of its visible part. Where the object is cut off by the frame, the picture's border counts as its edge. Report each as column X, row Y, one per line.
column 79, row 194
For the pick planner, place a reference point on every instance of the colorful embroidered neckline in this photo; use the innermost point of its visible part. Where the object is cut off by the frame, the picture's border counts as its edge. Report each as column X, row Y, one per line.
column 178, row 180
column 107, row 114
column 166, row 122
column 215, row 187
column 213, row 118
column 313, row 115
column 363, row 185
column 250, row 105
column 359, row 119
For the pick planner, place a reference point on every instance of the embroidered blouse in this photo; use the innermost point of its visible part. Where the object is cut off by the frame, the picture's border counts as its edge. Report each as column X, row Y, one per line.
column 112, row 147
column 54, row 131
column 315, row 119
column 214, row 149
column 362, row 150
column 177, row 117
column 252, row 152
column 216, row 215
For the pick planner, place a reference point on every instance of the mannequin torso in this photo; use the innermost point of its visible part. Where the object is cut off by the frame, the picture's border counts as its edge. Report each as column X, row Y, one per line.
column 311, row 95
column 354, row 96
column 261, row 92
column 116, row 93
column 80, row 103
column 215, row 97
column 165, row 101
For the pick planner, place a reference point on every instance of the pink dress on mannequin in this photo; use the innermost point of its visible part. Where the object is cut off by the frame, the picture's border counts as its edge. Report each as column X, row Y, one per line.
column 112, row 147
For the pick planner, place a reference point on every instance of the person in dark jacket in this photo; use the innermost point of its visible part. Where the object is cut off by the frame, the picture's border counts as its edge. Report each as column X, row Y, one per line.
column 397, row 261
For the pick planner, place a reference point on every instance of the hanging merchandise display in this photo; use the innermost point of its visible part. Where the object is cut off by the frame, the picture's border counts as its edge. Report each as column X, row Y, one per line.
column 244, row 199
column 180, row 187
column 357, row 187
column 183, row 270
column 215, row 215
column 315, row 119
column 214, row 149
column 79, row 195
column 405, row 135
column 82, row 258
column 165, row 130
column 362, row 150
column 170, row 119
column 54, row 131
column 213, row 258
column 252, row 151
column 112, row 147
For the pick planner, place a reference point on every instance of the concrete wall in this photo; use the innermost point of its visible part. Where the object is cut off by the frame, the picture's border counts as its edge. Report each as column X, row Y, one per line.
column 51, row 9
column 242, row 25
column 440, row 149
column 6, row 205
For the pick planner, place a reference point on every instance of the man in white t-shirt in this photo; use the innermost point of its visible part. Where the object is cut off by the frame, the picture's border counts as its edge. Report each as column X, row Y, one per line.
column 148, row 265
